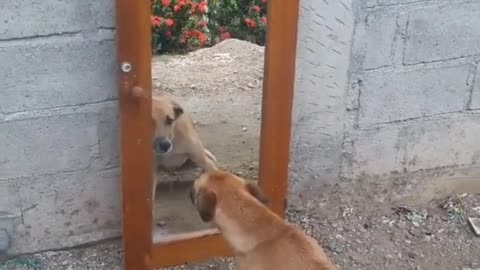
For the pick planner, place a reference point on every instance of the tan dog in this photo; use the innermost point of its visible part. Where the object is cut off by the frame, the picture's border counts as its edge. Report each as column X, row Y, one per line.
column 175, row 139
column 259, row 238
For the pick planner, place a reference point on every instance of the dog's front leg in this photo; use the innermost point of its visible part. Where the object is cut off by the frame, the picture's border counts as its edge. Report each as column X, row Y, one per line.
column 198, row 155
column 202, row 161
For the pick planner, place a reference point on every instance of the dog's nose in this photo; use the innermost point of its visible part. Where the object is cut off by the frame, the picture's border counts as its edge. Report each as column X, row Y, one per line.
column 161, row 145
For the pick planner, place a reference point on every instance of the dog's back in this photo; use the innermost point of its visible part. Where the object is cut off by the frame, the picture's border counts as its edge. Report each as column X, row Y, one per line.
column 260, row 239
column 292, row 250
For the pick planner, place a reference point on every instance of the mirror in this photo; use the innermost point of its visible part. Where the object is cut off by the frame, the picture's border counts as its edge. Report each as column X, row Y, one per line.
column 207, row 79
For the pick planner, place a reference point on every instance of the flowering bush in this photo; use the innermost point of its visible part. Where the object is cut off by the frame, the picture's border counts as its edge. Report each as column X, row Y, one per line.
column 242, row 19
column 184, row 25
column 178, row 25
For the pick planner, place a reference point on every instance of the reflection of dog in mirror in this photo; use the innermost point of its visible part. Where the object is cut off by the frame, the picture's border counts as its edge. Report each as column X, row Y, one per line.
column 175, row 140
column 259, row 238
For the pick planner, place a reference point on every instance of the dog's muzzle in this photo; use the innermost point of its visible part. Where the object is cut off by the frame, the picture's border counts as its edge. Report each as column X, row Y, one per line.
column 162, row 146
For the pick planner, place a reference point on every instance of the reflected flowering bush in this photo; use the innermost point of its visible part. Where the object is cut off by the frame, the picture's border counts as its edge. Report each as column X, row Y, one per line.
column 178, row 25
column 185, row 25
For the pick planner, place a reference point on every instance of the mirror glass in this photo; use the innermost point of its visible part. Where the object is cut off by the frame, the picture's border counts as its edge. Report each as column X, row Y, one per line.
column 207, row 71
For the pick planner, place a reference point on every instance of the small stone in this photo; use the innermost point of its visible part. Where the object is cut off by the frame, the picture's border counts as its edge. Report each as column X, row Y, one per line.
column 161, row 223
column 475, row 225
column 402, row 224
column 334, row 248
column 244, row 129
column 411, row 255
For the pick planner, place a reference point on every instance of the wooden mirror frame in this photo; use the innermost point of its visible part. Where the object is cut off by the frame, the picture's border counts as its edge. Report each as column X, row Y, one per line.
column 135, row 89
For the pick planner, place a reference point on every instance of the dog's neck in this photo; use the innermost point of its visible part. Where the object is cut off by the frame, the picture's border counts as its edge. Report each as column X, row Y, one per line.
column 246, row 223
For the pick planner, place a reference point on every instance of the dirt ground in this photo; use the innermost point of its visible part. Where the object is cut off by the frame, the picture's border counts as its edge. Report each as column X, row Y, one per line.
column 416, row 222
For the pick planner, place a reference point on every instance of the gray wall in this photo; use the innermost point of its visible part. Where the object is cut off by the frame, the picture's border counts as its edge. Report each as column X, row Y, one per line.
column 383, row 87
column 407, row 101
column 323, row 60
column 59, row 182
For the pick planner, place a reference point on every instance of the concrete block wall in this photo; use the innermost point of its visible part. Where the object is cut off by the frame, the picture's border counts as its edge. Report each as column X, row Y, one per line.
column 413, row 91
column 384, row 87
column 59, row 177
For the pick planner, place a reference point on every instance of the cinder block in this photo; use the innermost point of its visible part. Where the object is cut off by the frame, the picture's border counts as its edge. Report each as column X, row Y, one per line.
column 47, row 145
column 373, row 152
column 43, row 17
column 68, row 209
column 445, row 142
column 379, row 37
column 475, row 105
column 10, row 206
column 444, row 32
column 375, row 3
column 387, row 97
column 104, row 12
column 109, row 137
column 70, row 72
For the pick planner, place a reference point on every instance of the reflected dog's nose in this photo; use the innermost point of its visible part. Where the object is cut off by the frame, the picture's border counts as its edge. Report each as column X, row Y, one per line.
column 162, row 145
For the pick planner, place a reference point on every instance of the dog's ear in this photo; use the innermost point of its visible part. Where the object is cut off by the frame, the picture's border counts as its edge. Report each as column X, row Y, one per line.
column 256, row 192
column 206, row 203
column 177, row 109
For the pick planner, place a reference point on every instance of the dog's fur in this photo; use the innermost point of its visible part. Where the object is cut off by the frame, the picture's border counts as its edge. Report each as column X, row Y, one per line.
column 175, row 140
column 259, row 238
column 173, row 126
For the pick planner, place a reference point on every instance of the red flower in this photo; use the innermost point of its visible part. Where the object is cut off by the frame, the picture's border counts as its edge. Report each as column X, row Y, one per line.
column 169, row 34
column 176, row 8
column 166, row 3
column 155, row 20
column 255, row 9
column 202, row 23
column 225, row 35
column 169, row 22
column 264, row 1
column 221, row 29
column 185, row 3
column 264, row 20
column 201, row 7
column 183, row 40
column 202, row 38
column 250, row 23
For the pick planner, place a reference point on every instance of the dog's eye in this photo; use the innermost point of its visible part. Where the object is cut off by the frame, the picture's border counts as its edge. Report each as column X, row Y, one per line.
column 168, row 121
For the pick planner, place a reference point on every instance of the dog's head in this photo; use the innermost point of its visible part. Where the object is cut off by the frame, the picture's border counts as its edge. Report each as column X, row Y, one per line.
column 165, row 112
column 211, row 186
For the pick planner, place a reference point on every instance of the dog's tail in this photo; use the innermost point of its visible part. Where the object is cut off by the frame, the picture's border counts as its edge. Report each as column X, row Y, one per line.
column 210, row 155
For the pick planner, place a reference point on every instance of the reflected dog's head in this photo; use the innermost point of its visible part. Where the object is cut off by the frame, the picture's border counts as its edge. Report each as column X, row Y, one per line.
column 211, row 187
column 165, row 113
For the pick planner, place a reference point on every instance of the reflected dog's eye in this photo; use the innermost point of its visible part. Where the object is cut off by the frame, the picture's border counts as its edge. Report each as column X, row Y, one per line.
column 168, row 121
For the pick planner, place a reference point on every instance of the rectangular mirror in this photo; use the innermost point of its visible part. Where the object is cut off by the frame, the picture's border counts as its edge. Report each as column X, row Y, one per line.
column 207, row 75
column 200, row 84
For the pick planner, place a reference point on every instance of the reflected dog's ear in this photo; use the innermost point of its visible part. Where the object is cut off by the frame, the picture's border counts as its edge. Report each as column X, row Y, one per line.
column 177, row 110
column 206, row 203
column 256, row 192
